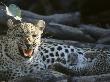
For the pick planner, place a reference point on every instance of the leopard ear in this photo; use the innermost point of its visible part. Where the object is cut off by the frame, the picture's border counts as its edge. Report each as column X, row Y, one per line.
column 40, row 24
column 11, row 23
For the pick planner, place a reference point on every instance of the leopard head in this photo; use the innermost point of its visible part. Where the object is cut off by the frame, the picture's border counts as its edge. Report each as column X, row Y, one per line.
column 27, row 35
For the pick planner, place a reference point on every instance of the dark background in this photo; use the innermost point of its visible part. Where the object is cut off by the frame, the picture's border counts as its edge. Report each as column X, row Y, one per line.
column 92, row 11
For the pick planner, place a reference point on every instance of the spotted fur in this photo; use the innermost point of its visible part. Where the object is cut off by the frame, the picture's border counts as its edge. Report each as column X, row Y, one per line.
column 53, row 52
column 22, row 35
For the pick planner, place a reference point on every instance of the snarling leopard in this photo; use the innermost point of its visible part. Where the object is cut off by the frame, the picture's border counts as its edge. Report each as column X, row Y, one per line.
column 17, row 47
column 22, row 52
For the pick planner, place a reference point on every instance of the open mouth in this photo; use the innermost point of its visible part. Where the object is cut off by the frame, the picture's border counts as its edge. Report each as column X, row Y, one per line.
column 26, row 52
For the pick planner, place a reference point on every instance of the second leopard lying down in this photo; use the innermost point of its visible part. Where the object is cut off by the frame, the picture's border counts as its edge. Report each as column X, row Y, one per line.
column 99, row 65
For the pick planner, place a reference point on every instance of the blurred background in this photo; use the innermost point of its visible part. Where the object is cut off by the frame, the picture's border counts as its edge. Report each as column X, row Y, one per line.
column 89, row 9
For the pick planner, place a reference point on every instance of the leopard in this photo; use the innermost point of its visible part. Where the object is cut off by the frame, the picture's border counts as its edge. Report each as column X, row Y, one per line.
column 99, row 65
column 17, row 47
column 22, row 52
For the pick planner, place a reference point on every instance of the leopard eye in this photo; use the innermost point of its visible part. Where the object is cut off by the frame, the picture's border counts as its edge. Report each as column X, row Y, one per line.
column 34, row 35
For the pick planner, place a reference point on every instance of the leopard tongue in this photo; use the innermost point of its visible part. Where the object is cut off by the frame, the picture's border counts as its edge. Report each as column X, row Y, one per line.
column 28, row 52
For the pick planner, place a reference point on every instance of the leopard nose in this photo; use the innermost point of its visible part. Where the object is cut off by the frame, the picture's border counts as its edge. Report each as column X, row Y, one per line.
column 29, row 46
